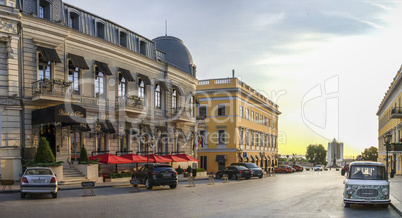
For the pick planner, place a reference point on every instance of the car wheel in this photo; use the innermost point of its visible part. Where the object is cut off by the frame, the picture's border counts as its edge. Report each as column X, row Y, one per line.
column 173, row 186
column 23, row 195
column 148, row 184
column 54, row 195
column 217, row 176
column 234, row 177
column 260, row 177
column 385, row 206
column 346, row 204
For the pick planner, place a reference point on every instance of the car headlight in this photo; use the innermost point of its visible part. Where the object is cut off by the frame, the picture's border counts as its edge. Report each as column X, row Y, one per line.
column 385, row 191
column 350, row 190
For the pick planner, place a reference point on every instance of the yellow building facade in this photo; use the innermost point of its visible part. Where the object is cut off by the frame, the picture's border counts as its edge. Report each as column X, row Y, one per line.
column 236, row 124
column 390, row 122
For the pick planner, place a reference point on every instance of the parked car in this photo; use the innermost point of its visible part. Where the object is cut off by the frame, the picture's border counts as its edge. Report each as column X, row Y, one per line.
column 256, row 170
column 283, row 169
column 318, row 168
column 156, row 175
column 366, row 183
column 38, row 180
column 234, row 172
column 298, row 168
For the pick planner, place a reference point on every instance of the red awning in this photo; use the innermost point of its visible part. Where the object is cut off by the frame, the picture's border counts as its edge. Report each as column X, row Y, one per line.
column 135, row 158
column 187, row 157
column 110, row 159
column 158, row 159
column 175, row 158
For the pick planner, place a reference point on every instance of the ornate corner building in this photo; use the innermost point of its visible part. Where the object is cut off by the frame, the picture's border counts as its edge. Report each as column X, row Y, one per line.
column 236, row 124
column 77, row 79
column 390, row 122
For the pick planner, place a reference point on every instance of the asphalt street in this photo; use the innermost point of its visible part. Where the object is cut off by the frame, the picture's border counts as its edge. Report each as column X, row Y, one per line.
column 305, row 194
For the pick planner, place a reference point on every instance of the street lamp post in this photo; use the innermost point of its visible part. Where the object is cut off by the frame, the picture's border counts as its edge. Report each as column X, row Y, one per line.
column 239, row 151
column 387, row 140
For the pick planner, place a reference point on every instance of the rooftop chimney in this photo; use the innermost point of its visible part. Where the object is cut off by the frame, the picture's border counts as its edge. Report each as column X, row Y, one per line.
column 233, row 73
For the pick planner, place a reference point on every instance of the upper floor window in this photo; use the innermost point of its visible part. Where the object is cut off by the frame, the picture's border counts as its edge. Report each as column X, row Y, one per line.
column 143, row 48
column 265, row 121
column 44, row 68
column 174, row 98
column 44, row 9
column 252, row 116
column 221, row 110
column 157, row 96
column 252, row 138
column 74, row 77
column 192, row 112
column 202, row 111
column 100, row 30
column 241, row 136
column 99, row 84
column 221, row 136
column 241, row 111
column 247, row 137
column 257, row 116
column 123, row 38
column 122, row 87
column 74, row 21
column 247, row 113
column 141, row 88
column 262, row 119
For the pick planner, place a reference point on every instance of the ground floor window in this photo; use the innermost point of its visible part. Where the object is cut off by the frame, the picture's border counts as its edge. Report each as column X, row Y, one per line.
column 102, row 142
column 76, row 145
column 203, row 162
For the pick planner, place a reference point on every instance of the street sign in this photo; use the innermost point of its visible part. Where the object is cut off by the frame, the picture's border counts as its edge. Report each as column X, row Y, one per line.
column 134, row 182
column 194, row 166
column 244, row 154
column 87, row 184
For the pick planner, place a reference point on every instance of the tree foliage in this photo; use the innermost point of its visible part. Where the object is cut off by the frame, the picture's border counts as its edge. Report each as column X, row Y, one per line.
column 370, row 154
column 83, row 155
column 44, row 154
column 316, row 154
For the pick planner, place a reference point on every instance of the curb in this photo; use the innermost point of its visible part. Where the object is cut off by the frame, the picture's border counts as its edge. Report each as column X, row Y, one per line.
column 398, row 210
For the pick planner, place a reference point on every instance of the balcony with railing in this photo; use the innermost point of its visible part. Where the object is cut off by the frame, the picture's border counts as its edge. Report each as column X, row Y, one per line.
column 181, row 114
column 131, row 104
column 52, row 90
column 396, row 113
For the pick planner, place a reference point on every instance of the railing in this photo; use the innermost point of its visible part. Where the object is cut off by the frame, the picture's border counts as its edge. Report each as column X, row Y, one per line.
column 396, row 110
column 203, row 82
column 178, row 152
column 130, row 102
column 160, row 55
column 51, row 87
column 222, row 81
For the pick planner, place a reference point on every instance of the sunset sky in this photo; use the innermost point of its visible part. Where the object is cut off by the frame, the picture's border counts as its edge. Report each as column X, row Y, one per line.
column 327, row 64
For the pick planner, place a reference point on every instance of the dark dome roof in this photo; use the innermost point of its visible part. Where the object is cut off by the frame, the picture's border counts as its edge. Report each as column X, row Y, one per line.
column 176, row 53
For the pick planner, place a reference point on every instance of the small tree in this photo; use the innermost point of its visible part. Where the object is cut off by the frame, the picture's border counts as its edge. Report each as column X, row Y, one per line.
column 83, row 155
column 44, row 153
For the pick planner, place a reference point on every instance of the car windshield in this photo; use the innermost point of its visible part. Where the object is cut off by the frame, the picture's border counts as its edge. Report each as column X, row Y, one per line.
column 251, row 165
column 38, row 172
column 367, row 172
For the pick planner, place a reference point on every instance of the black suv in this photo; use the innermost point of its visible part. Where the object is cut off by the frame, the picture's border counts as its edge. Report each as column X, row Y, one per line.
column 156, row 175
column 256, row 171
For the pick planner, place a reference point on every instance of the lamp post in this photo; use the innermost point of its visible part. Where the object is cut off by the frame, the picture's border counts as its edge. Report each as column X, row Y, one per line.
column 387, row 140
column 149, row 143
column 262, row 154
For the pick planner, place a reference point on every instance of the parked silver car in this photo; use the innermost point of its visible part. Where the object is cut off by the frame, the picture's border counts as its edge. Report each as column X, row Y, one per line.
column 38, row 180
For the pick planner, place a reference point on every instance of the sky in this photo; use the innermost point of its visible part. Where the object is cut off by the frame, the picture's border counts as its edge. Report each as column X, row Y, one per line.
column 326, row 63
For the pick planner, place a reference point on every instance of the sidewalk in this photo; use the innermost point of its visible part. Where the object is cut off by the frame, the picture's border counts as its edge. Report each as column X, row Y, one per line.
column 16, row 186
column 396, row 193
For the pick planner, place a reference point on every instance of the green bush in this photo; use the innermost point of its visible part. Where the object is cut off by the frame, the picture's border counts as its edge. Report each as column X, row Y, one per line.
column 307, row 169
column 119, row 175
column 179, row 170
column 44, row 153
column 31, row 163
column 200, row 170
column 83, row 155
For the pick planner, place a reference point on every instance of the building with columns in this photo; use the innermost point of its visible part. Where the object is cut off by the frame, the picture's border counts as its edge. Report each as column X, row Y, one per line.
column 78, row 79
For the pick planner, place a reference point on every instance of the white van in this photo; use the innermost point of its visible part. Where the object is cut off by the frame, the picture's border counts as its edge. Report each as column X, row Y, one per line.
column 366, row 183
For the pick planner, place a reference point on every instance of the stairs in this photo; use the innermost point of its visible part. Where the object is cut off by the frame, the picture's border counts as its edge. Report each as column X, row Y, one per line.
column 71, row 176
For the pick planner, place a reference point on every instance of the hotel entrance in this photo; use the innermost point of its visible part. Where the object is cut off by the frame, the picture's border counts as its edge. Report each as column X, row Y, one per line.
column 49, row 132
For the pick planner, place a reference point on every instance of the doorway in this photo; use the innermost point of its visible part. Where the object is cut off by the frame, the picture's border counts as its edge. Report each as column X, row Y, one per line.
column 75, row 145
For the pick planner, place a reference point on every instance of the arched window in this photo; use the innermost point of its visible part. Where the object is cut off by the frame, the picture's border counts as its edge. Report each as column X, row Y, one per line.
column 74, row 20
column 174, row 99
column 44, row 68
column 157, row 96
column 44, row 9
column 100, row 29
column 141, row 89
column 122, row 87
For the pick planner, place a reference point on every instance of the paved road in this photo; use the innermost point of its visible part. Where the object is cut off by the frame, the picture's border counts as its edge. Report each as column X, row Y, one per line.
column 306, row 194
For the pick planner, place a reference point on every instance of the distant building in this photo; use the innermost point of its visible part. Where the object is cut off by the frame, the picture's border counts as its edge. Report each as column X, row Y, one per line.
column 335, row 151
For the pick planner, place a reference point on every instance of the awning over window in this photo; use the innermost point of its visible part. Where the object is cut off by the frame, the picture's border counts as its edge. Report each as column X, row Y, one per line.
column 257, row 157
column 102, row 67
column 163, row 85
column 146, row 128
column 221, row 158
column 63, row 113
column 82, row 127
column 126, row 74
column 178, row 89
column 106, row 127
column 78, row 61
column 49, row 54
column 146, row 79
